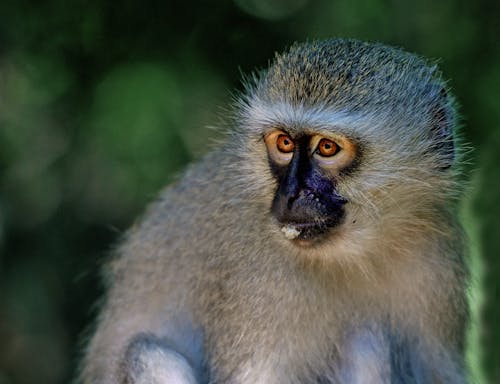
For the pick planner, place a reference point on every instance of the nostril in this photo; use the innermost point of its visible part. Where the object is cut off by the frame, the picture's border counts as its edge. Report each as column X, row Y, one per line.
column 290, row 202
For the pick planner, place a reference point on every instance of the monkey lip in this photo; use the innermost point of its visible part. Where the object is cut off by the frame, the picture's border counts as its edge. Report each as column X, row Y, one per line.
column 306, row 225
column 305, row 230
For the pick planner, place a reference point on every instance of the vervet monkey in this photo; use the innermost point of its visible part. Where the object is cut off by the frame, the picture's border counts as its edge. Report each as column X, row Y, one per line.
column 317, row 244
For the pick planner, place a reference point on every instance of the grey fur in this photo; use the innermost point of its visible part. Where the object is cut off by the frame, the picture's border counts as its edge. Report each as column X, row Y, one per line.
column 210, row 277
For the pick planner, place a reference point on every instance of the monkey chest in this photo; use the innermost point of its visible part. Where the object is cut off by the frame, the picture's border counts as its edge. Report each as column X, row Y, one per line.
column 363, row 358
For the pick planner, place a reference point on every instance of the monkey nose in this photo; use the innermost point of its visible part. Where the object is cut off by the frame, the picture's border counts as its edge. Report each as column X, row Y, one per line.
column 294, row 208
column 289, row 201
column 283, row 207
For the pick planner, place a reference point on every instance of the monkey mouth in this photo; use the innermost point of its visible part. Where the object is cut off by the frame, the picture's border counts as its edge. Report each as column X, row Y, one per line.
column 305, row 230
column 308, row 220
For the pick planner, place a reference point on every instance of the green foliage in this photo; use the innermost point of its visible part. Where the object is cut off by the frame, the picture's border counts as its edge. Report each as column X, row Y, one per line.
column 103, row 103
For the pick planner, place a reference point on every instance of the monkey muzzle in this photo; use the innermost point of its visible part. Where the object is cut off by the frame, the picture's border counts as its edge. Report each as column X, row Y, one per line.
column 308, row 215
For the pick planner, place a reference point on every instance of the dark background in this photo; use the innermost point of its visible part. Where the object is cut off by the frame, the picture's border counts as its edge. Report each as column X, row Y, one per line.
column 101, row 103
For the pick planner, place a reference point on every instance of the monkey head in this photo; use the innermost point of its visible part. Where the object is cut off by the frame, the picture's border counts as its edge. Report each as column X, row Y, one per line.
column 350, row 133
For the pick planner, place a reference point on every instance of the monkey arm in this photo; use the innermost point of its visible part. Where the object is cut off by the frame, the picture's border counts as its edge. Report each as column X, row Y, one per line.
column 176, row 356
column 146, row 334
column 134, row 348
column 151, row 360
column 412, row 361
column 426, row 344
column 376, row 355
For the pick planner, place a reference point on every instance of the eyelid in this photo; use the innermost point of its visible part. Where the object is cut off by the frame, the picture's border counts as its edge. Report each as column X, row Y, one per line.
column 344, row 156
column 315, row 140
column 270, row 139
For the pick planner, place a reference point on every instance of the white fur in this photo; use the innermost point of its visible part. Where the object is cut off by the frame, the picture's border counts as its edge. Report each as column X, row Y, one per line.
column 161, row 366
column 290, row 232
column 259, row 114
column 369, row 361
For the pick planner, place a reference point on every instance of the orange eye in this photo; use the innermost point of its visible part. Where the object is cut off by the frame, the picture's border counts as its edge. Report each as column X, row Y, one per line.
column 327, row 148
column 280, row 147
column 284, row 144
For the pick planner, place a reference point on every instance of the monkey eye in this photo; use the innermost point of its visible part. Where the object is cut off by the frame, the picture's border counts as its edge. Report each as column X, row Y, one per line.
column 335, row 153
column 327, row 148
column 284, row 143
column 280, row 146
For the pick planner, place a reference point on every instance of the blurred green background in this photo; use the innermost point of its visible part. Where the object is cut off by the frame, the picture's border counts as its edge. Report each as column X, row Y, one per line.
column 101, row 103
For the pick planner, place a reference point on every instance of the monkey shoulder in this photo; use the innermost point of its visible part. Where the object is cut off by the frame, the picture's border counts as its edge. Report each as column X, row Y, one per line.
column 178, row 230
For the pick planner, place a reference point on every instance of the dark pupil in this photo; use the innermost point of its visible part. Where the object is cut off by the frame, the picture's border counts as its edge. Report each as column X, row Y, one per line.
column 285, row 142
column 327, row 146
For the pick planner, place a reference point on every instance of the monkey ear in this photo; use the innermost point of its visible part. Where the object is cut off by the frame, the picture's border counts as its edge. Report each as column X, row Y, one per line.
column 442, row 125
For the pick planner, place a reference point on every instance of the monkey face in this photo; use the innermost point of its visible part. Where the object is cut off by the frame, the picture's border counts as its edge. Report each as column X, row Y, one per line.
column 305, row 166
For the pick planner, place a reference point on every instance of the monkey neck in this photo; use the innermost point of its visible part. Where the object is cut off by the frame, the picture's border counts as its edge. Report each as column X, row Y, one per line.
column 398, row 275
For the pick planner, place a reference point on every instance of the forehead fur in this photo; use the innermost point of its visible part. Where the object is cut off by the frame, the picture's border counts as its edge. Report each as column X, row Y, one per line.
column 350, row 75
